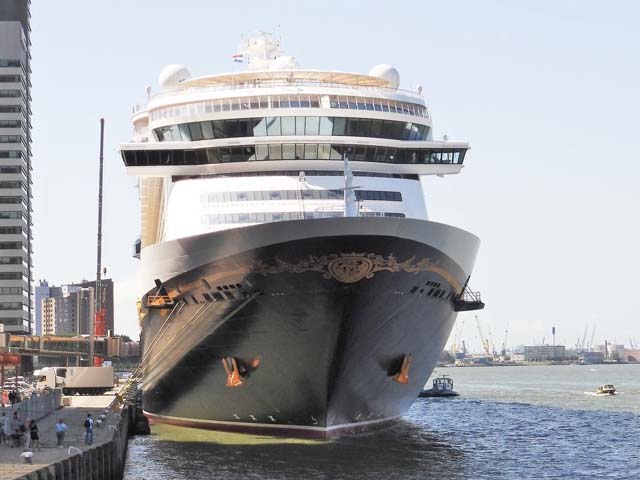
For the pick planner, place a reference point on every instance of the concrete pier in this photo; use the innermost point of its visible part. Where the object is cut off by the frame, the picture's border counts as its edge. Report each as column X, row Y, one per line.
column 103, row 460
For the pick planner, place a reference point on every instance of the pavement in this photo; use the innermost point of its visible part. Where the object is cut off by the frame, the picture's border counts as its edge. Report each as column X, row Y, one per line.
column 12, row 465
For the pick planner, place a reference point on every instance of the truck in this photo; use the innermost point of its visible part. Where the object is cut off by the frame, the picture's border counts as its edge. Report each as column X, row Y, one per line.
column 72, row 380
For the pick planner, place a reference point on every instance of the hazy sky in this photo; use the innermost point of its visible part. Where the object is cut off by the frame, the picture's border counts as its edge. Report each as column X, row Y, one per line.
column 547, row 94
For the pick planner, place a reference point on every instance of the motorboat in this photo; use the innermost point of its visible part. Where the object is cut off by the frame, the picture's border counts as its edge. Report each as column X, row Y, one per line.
column 606, row 390
column 442, row 387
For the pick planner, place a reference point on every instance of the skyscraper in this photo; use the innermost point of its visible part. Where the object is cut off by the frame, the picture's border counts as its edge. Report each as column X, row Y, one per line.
column 15, row 166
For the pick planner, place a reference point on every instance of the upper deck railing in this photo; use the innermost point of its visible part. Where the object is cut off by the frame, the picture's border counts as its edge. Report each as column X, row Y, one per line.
column 270, row 84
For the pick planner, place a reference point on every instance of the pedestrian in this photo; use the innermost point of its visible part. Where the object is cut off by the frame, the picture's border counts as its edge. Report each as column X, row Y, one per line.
column 61, row 428
column 88, row 425
column 23, row 439
column 12, row 397
column 4, row 430
column 35, row 437
column 15, row 430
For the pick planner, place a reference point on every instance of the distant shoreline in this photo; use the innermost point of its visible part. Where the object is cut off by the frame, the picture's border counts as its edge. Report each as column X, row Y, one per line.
column 532, row 364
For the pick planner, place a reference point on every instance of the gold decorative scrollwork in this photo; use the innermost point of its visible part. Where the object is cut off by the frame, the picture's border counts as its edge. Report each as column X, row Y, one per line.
column 353, row 267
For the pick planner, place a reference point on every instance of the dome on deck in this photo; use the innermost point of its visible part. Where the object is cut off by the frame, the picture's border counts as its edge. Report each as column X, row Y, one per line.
column 386, row 72
column 172, row 75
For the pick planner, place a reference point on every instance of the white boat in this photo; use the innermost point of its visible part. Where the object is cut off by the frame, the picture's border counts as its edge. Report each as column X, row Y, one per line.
column 606, row 390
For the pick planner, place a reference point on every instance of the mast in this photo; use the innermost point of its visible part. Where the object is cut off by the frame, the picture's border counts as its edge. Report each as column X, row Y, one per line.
column 98, row 299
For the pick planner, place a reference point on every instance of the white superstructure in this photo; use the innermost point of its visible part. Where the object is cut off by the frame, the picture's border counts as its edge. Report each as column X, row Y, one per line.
column 267, row 144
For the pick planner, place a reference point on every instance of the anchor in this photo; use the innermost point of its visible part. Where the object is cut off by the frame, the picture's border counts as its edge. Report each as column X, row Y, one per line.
column 403, row 375
column 234, row 379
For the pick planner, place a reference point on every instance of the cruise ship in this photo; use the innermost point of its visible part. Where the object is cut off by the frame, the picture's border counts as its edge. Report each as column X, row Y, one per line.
column 292, row 283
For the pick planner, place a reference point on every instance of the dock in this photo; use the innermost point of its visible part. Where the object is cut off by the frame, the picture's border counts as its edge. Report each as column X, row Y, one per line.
column 103, row 460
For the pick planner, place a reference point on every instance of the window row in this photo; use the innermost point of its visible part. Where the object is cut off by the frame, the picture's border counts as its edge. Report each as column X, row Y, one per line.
column 12, row 185
column 10, row 245
column 12, row 200
column 10, row 124
column 12, row 291
column 266, row 217
column 287, row 126
column 10, row 63
column 291, row 151
column 11, row 168
column 296, row 173
column 10, row 78
column 12, row 215
column 11, row 260
column 11, row 154
column 13, row 276
column 12, row 231
column 10, row 108
column 12, row 321
column 13, row 139
column 209, row 199
column 11, row 94
column 291, row 101
column 12, row 306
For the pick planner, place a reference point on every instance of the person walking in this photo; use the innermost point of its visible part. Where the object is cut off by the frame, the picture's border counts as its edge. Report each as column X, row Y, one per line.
column 4, row 430
column 33, row 432
column 15, row 430
column 61, row 429
column 88, row 425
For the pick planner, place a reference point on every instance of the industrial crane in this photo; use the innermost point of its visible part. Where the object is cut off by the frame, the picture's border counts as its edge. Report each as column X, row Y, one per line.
column 584, row 338
column 455, row 346
column 485, row 343
column 503, row 349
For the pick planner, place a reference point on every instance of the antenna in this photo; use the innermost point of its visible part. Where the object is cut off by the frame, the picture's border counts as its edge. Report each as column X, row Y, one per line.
column 350, row 202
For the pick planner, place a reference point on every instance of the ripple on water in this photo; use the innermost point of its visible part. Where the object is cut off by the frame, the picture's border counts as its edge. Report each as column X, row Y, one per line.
column 453, row 439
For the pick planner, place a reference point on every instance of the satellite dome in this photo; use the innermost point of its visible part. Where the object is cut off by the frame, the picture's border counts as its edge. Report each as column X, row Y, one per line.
column 172, row 75
column 285, row 62
column 386, row 72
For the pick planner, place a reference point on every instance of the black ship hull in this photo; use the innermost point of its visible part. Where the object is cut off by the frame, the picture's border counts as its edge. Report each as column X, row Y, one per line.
column 308, row 336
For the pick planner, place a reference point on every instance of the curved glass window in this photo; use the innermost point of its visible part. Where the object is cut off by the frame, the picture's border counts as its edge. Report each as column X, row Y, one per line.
column 210, row 199
column 291, row 101
column 288, row 126
column 300, row 151
column 224, row 218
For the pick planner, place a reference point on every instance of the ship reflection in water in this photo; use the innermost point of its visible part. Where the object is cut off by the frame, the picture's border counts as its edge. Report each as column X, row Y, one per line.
column 401, row 451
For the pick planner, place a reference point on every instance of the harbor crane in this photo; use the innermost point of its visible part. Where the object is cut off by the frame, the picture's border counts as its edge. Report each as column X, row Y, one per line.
column 455, row 346
column 593, row 336
column 584, row 338
column 485, row 342
column 503, row 348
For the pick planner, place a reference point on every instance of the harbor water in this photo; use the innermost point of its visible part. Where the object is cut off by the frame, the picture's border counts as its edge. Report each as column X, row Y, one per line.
column 509, row 422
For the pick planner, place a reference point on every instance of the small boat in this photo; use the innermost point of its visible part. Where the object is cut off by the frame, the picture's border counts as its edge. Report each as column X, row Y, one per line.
column 442, row 387
column 606, row 390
